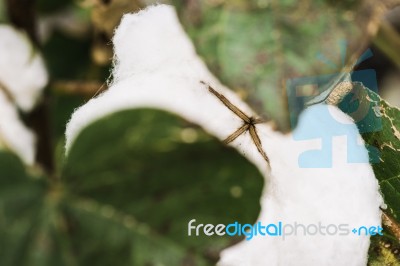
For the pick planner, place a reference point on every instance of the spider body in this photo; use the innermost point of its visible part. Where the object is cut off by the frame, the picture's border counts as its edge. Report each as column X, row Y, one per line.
column 249, row 123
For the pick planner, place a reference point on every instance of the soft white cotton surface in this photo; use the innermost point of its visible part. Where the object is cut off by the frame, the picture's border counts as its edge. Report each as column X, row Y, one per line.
column 346, row 193
column 22, row 70
column 156, row 66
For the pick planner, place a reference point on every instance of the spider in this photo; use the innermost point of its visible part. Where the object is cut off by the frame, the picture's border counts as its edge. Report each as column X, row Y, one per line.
column 249, row 123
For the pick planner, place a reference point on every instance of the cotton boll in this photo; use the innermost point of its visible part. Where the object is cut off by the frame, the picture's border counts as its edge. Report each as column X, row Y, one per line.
column 156, row 67
column 150, row 40
column 185, row 97
column 14, row 136
column 346, row 193
column 137, row 42
column 22, row 70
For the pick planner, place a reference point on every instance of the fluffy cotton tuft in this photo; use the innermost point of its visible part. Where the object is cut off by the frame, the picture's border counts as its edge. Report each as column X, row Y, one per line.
column 150, row 40
column 14, row 136
column 22, row 70
column 156, row 67
column 346, row 193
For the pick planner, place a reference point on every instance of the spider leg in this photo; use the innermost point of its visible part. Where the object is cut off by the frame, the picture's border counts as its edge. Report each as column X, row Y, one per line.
column 228, row 104
column 259, row 121
column 237, row 133
column 7, row 93
column 257, row 142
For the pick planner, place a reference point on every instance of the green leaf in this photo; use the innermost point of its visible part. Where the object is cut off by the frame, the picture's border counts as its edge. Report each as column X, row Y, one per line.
column 155, row 171
column 379, row 126
column 130, row 185
column 257, row 46
column 388, row 169
column 383, row 251
column 20, row 203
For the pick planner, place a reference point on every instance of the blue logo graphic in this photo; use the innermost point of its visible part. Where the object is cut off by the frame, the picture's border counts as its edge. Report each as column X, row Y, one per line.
column 360, row 104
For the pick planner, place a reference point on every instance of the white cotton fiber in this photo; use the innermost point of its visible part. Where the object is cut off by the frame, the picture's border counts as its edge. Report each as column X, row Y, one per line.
column 346, row 193
column 22, row 70
column 150, row 40
column 14, row 136
column 156, row 66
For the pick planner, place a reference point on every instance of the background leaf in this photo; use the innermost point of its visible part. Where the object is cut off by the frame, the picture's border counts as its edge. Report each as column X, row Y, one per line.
column 21, row 202
column 127, row 194
column 136, row 163
column 380, row 128
column 387, row 140
column 256, row 47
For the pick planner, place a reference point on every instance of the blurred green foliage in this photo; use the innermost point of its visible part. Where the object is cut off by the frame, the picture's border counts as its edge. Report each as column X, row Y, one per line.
column 384, row 250
column 129, row 187
column 387, row 140
column 257, row 46
column 49, row 7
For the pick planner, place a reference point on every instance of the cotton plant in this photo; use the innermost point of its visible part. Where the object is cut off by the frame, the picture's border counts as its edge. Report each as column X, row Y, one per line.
column 22, row 78
column 156, row 66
